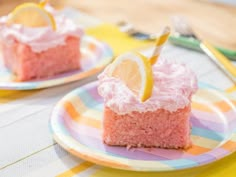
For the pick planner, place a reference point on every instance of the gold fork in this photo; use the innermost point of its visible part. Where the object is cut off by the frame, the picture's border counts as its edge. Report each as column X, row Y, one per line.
column 184, row 29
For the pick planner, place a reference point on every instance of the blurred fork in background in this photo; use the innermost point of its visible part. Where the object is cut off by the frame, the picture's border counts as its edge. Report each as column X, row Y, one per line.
column 183, row 28
column 179, row 40
column 130, row 29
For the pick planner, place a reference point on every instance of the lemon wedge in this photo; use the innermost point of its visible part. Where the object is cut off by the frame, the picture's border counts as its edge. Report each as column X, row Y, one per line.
column 135, row 71
column 43, row 3
column 31, row 15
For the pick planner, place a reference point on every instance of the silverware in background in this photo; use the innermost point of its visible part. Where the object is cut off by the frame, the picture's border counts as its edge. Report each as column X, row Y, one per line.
column 183, row 28
column 129, row 29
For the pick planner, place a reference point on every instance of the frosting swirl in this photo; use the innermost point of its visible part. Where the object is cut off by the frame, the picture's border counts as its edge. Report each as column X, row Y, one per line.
column 41, row 38
column 173, row 87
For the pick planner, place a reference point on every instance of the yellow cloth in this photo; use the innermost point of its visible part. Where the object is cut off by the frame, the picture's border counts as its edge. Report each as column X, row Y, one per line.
column 120, row 42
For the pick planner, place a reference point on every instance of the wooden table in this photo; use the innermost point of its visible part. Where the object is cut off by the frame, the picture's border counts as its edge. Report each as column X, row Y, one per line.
column 214, row 22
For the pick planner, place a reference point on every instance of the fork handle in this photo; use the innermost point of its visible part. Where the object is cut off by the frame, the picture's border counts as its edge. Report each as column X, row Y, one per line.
column 220, row 60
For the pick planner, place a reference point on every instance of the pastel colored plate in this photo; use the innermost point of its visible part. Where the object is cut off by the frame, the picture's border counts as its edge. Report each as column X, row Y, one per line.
column 95, row 56
column 76, row 125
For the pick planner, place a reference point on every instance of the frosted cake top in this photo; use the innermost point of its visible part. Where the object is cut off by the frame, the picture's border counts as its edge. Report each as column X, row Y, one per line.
column 173, row 87
column 40, row 38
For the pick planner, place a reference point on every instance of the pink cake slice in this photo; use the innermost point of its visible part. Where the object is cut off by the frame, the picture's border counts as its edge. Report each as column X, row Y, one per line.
column 162, row 121
column 27, row 64
column 40, row 52
column 159, row 128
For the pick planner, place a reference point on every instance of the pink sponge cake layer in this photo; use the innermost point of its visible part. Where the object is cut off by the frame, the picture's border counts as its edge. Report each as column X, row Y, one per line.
column 161, row 121
column 33, row 53
column 159, row 128
column 27, row 64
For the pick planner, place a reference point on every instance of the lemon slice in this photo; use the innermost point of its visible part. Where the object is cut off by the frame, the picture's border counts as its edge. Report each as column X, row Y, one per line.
column 135, row 71
column 43, row 3
column 31, row 15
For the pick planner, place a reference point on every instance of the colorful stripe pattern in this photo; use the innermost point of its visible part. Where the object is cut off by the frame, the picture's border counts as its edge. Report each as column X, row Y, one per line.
column 95, row 56
column 76, row 125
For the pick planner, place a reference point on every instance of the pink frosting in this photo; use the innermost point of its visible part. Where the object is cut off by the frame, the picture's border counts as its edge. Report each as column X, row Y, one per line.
column 43, row 38
column 174, row 85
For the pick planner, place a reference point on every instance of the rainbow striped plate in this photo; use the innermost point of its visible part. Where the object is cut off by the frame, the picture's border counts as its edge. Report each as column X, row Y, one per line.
column 76, row 125
column 95, row 56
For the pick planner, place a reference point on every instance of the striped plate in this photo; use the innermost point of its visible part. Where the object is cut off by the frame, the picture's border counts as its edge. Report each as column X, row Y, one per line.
column 95, row 56
column 76, row 125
